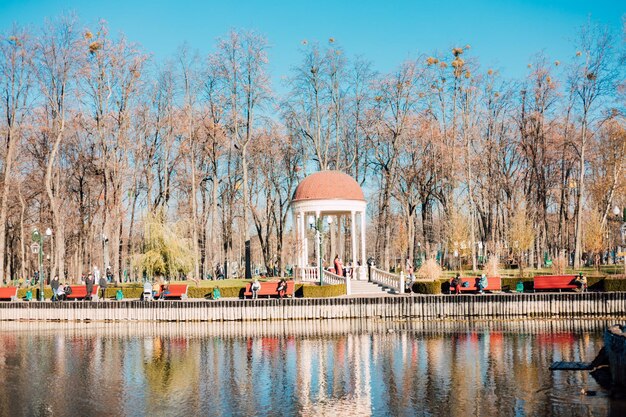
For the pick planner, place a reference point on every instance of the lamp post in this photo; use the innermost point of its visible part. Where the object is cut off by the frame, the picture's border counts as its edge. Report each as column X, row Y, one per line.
column 418, row 264
column 105, row 239
column 617, row 211
column 318, row 227
column 38, row 238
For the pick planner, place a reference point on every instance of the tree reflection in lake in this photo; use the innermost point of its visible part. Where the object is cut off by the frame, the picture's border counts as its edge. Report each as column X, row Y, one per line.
column 299, row 368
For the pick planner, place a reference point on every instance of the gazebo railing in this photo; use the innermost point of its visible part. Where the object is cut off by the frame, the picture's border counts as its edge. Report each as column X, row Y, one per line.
column 389, row 280
column 307, row 274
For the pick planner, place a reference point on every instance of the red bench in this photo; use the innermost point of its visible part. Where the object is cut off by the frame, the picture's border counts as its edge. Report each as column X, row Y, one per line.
column 8, row 293
column 79, row 292
column 270, row 288
column 555, row 282
column 493, row 284
column 175, row 291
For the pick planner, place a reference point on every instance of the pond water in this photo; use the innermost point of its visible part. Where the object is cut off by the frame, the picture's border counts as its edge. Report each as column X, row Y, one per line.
column 352, row 368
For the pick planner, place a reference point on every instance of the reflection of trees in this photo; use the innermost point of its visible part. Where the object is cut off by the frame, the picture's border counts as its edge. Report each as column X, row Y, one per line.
column 441, row 368
column 171, row 371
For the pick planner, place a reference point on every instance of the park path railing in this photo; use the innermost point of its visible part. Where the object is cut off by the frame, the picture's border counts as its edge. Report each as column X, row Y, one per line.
column 331, row 278
column 387, row 279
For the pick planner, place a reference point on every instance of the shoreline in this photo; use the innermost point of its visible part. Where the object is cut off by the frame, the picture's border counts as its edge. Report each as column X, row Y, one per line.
column 537, row 305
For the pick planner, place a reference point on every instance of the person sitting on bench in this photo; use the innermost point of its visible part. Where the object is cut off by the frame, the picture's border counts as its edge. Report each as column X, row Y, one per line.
column 282, row 288
column 455, row 285
column 581, row 282
column 67, row 290
column 255, row 287
column 60, row 292
column 482, row 284
column 166, row 291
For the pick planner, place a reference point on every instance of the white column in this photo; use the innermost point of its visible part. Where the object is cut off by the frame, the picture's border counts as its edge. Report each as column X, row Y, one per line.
column 296, row 227
column 363, row 260
column 305, row 242
column 302, row 241
column 353, row 237
column 318, row 255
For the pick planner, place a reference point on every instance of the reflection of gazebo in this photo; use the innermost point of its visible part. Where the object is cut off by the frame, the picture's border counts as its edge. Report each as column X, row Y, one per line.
column 338, row 198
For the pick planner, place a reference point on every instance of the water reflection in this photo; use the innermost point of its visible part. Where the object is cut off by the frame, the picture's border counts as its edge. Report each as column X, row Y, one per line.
column 299, row 368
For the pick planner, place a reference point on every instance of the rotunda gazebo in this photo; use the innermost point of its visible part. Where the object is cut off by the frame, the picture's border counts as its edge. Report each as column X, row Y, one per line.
column 337, row 198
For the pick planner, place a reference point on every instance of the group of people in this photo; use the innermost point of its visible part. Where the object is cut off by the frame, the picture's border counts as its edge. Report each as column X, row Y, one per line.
column 281, row 289
column 340, row 270
column 60, row 290
column 410, row 277
column 457, row 283
column 581, row 282
column 155, row 290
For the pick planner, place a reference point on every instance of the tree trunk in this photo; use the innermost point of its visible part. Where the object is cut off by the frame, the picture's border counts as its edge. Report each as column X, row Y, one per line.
column 579, row 196
column 8, row 163
column 57, row 220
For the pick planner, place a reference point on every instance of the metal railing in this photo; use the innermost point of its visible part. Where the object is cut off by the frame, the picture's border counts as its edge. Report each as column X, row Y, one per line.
column 389, row 280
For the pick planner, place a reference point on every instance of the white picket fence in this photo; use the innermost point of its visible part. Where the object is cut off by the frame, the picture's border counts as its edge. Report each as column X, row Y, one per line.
column 389, row 280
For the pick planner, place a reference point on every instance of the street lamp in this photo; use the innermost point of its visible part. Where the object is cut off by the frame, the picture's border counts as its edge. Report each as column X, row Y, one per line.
column 419, row 255
column 318, row 227
column 38, row 238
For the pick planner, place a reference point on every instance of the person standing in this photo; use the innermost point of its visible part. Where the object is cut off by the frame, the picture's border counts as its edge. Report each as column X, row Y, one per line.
column 219, row 272
column 54, row 284
column 96, row 275
column 338, row 266
column 103, row 286
column 89, row 286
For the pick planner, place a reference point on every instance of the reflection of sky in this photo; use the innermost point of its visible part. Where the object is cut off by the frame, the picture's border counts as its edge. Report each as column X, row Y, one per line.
column 454, row 369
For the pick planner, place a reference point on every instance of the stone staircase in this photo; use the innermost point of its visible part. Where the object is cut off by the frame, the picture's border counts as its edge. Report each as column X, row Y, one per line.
column 365, row 288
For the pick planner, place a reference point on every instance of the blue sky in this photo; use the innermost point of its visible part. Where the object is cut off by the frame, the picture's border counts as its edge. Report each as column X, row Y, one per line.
column 503, row 34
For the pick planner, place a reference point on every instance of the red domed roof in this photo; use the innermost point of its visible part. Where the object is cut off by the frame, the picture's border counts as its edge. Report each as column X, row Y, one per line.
column 328, row 185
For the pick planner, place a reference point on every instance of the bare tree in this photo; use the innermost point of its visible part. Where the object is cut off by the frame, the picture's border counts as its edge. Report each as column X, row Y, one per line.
column 57, row 56
column 591, row 78
column 15, row 86
column 243, row 58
